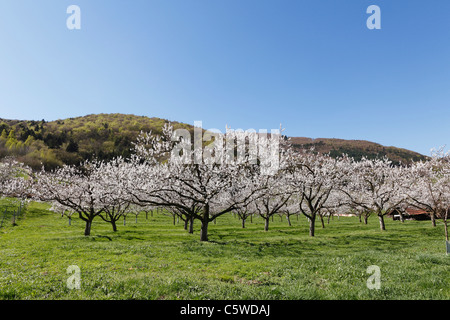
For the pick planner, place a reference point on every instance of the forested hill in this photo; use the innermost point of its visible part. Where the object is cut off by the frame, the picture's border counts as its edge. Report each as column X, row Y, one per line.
column 105, row 136
column 358, row 149
column 69, row 141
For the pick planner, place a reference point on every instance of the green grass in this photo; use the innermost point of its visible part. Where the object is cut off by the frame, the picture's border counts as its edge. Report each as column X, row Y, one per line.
column 154, row 259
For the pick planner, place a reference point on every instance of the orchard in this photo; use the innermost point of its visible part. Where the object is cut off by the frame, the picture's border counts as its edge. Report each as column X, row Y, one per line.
column 244, row 173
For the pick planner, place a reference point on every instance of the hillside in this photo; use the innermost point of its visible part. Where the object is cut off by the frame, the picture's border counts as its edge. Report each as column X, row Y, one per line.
column 358, row 149
column 72, row 140
column 105, row 136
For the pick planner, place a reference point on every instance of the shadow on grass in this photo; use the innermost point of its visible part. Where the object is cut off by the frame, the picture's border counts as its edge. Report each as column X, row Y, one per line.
column 368, row 240
column 101, row 237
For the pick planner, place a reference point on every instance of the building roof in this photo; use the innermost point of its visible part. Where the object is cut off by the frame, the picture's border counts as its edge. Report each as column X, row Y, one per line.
column 412, row 211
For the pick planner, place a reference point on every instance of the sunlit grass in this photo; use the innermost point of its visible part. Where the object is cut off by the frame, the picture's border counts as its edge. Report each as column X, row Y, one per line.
column 154, row 259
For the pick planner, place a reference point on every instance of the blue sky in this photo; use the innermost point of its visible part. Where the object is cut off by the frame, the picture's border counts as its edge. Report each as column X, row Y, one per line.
column 312, row 66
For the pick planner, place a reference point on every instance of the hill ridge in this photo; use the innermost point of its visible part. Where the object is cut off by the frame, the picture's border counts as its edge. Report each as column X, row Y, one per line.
column 107, row 135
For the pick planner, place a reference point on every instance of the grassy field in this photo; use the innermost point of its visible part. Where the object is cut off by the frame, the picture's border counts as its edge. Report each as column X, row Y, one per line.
column 154, row 259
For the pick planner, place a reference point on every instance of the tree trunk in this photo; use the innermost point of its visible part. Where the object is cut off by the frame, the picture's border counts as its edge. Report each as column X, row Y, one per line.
column 446, row 229
column 289, row 220
column 243, row 223
column 382, row 225
column 205, row 221
column 87, row 229
column 191, row 225
column 321, row 220
column 433, row 219
column 266, row 224
column 114, row 226
column 204, row 231
column 70, row 221
column 445, row 224
column 366, row 217
column 186, row 221
column 312, row 226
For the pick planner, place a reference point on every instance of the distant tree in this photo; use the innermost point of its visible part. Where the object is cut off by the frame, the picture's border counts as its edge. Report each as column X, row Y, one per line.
column 14, row 178
column 4, row 135
column 313, row 177
column 274, row 198
column 375, row 185
column 76, row 188
column 72, row 146
column 12, row 134
column 428, row 186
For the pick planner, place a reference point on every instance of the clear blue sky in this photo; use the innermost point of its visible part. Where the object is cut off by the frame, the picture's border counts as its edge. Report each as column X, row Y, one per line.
column 312, row 66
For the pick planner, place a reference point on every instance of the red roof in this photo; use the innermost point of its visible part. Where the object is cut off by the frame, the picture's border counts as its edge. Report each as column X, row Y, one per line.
column 412, row 211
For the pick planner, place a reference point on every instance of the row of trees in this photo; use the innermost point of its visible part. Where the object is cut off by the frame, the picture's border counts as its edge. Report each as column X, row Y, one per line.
column 162, row 173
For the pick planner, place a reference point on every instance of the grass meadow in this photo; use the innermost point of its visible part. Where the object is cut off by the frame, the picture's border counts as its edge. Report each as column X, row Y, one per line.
column 155, row 259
